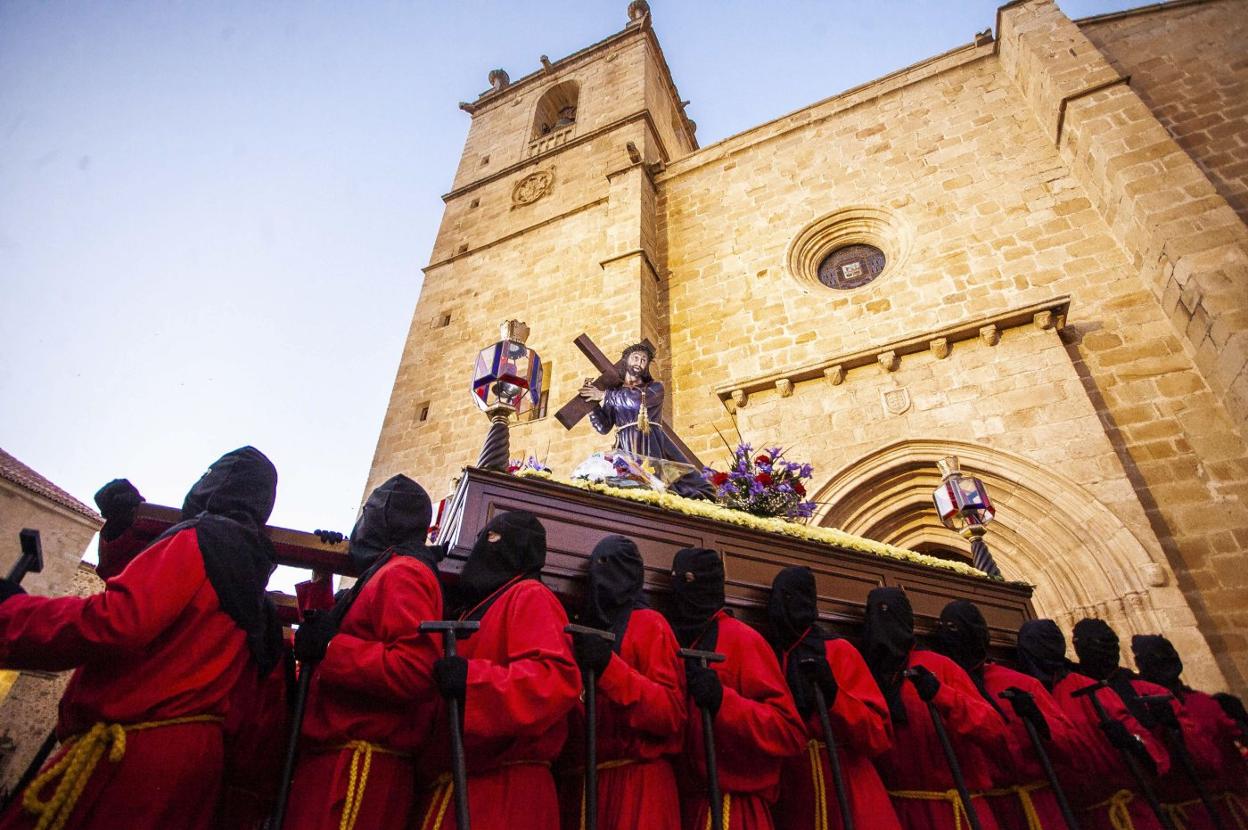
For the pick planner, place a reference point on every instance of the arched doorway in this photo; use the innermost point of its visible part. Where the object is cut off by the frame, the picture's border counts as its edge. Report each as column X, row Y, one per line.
column 1049, row 531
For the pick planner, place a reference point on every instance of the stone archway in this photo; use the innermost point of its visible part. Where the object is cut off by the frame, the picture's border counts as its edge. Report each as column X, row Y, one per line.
column 1051, row 532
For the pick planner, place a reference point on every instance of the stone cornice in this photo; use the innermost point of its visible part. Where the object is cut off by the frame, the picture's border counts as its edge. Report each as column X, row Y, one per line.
column 1169, row 5
column 1044, row 315
column 526, row 229
column 642, row 115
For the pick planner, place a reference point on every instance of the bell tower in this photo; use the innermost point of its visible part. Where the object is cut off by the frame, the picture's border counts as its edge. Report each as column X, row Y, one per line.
column 551, row 219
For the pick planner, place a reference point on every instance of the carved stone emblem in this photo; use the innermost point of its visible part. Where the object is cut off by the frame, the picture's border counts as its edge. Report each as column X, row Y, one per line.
column 532, row 187
column 895, row 401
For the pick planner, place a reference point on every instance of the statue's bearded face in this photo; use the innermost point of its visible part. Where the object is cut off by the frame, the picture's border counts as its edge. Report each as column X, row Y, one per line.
column 637, row 363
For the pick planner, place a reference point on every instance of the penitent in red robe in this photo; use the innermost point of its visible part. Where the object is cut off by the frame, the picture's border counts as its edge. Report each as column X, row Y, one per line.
column 915, row 770
column 1021, row 769
column 641, row 726
column 1229, row 784
column 154, row 646
column 522, row 683
column 756, row 729
column 372, row 703
column 862, row 729
column 1175, row 788
column 1099, row 775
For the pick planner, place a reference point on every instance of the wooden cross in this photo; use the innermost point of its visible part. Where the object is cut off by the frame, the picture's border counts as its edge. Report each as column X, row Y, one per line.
column 610, row 375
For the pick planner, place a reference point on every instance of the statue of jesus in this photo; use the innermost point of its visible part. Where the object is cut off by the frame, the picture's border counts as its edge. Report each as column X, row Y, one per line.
column 638, row 429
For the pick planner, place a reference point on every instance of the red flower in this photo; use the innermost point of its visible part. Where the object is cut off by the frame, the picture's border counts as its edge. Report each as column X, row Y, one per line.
column 719, row 479
column 762, row 459
column 763, row 479
column 798, row 488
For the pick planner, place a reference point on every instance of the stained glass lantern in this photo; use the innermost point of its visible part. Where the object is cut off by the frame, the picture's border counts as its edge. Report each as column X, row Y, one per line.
column 961, row 501
column 508, row 375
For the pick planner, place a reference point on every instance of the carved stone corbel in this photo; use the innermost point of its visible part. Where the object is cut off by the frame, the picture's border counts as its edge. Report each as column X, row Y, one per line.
column 835, row 375
column 939, row 347
column 889, row 360
column 785, row 387
column 739, row 398
column 1043, row 320
column 990, row 335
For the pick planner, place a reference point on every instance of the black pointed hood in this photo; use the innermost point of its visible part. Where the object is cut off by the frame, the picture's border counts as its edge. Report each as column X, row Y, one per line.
column 228, row 508
column 1042, row 652
column 962, row 636
column 887, row 639
column 1098, row 648
column 697, row 593
column 793, row 614
column 616, row 578
column 519, row 551
column 1159, row 662
column 396, row 515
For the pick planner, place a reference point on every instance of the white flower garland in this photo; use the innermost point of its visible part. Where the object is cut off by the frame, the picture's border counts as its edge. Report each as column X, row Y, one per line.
column 710, row 510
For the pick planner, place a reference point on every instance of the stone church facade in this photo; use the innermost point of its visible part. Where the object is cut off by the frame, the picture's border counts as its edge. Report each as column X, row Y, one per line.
column 1030, row 251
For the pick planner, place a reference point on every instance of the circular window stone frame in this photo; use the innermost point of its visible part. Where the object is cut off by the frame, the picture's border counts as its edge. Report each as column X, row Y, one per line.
column 853, row 225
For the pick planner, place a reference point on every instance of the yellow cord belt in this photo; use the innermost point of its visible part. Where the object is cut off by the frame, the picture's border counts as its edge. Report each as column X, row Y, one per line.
column 960, row 818
column 1024, row 791
column 361, row 763
column 820, row 786
column 78, row 762
column 1119, row 813
column 1236, row 808
column 727, row 812
column 616, row 764
column 444, row 791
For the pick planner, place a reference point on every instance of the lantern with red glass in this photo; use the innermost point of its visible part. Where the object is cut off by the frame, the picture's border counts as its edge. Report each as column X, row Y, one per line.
column 507, row 378
column 963, row 505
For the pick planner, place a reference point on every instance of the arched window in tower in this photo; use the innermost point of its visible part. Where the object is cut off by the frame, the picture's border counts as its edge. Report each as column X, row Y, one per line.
column 555, row 118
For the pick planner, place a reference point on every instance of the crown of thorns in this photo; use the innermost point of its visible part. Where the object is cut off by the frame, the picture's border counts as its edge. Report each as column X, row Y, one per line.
column 639, row 347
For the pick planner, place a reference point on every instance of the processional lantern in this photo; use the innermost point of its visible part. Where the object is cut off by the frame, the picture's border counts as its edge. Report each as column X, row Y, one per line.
column 507, row 379
column 963, row 505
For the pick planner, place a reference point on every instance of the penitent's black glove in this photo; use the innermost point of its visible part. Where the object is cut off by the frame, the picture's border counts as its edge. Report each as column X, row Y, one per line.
column 329, row 537
column 117, row 501
column 1163, row 713
column 451, row 675
column 313, row 636
column 818, row 672
column 9, row 588
column 1025, row 707
column 592, row 653
column 925, row 683
column 1124, row 739
column 704, row 687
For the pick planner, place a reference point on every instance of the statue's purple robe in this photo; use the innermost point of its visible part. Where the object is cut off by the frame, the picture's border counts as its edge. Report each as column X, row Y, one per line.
column 619, row 409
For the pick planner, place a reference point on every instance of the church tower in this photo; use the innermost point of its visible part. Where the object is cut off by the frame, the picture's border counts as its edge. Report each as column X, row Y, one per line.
column 551, row 219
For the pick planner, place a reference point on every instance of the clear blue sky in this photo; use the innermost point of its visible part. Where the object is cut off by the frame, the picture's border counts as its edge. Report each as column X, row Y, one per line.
column 213, row 215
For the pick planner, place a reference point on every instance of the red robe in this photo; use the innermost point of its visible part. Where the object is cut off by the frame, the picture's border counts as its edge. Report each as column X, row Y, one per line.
column 1100, row 772
column 756, row 729
column 522, row 683
column 862, row 729
column 641, row 726
column 256, row 730
column 374, row 685
column 1231, row 772
column 1021, row 767
column 916, row 762
column 1175, row 789
column 153, row 646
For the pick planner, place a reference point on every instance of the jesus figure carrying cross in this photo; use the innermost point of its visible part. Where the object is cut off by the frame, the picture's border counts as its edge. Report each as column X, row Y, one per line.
column 634, row 409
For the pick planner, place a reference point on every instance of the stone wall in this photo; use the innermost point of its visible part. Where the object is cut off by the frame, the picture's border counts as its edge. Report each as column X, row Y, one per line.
column 1187, row 63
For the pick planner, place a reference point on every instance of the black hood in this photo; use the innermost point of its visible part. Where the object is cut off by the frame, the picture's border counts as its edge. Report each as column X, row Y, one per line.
column 962, row 636
column 241, row 485
column 614, row 587
column 887, row 639
column 1159, row 662
column 396, row 515
column 520, row 551
column 697, row 593
column 793, row 612
column 228, row 508
column 1042, row 651
column 1098, row 648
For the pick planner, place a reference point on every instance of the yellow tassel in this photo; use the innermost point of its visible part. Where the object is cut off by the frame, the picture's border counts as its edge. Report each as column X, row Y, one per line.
column 643, row 414
column 77, row 764
column 1118, row 812
column 955, row 801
